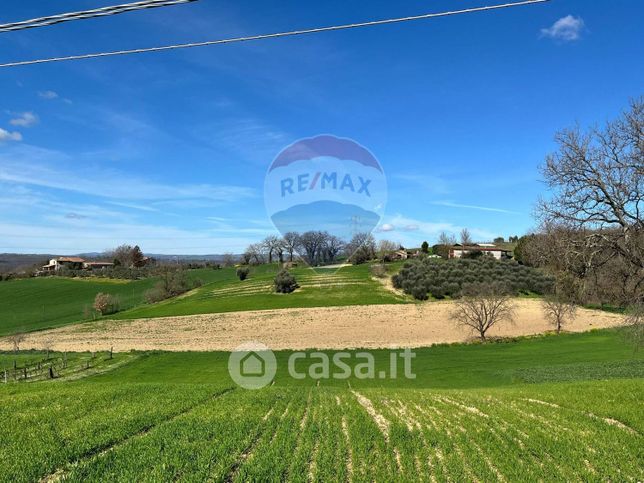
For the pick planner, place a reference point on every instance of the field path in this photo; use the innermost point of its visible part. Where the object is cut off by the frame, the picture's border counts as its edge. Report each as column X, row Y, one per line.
column 369, row 326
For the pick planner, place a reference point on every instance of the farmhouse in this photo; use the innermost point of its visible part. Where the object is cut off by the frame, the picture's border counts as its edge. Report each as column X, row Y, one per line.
column 458, row 250
column 73, row 263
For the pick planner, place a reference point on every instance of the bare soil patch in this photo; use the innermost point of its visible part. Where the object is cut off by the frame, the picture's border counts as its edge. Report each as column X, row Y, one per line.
column 369, row 326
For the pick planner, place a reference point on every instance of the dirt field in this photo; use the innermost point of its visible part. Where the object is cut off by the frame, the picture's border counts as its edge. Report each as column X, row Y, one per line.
column 372, row 326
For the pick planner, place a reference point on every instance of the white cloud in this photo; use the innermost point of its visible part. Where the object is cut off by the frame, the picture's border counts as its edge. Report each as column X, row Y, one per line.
column 24, row 119
column 10, row 136
column 567, row 29
column 386, row 227
column 48, row 94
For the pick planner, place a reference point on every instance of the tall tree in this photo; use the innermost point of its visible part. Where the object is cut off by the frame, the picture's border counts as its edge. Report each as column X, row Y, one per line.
column 597, row 183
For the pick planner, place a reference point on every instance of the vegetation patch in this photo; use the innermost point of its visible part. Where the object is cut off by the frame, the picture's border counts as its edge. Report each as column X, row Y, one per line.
column 446, row 278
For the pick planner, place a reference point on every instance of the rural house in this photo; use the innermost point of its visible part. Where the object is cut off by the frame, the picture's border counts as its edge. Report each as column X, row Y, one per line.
column 73, row 263
column 458, row 250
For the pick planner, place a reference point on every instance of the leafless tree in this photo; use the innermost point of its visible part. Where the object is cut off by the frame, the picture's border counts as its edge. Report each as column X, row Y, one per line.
column 312, row 244
column 361, row 248
column 466, row 238
column 483, row 306
column 228, row 260
column 558, row 311
column 254, row 254
column 291, row 242
column 17, row 339
column 333, row 246
column 445, row 239
column 271, row 245
column 385, row 249
column 597, row 180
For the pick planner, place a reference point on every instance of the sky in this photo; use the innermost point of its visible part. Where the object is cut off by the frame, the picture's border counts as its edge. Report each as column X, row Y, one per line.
column 170, row 150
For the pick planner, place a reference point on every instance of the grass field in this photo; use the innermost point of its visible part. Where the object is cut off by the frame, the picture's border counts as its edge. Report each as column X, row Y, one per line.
column 474, row 412
column 40, row 303
column 350, row 285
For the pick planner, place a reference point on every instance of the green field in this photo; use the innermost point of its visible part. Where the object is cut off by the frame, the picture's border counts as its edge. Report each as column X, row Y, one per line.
column 41, row 303
column 474, row 412
column 351, row 285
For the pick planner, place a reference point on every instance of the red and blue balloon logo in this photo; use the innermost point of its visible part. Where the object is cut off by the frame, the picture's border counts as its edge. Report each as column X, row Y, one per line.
column 325, row 183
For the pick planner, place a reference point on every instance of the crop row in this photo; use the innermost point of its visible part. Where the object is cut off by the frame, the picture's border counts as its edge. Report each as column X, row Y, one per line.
column 143, row 432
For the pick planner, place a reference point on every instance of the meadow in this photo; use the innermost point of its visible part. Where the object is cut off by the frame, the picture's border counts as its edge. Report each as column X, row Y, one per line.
column 349, row 285
column 41, row 303
column 474, row 412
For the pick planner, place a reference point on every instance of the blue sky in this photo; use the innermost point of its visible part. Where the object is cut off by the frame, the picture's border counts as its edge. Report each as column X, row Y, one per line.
column 170, row 150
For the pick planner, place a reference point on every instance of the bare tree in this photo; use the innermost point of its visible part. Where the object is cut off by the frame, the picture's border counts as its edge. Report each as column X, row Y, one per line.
column 385, row 248
column 333, row 246
column 17, row 339
column 254, row 254
column 291, row 242
column 558, row 311
column 271, row 244
column 482, row 307
column 466, row 238
column 361, row 248
column 228, row 260
column 597, row 179
column 445, row 239
column 312, row 244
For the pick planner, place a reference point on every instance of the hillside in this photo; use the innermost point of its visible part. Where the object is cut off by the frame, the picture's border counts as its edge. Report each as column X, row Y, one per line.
column 38, row 303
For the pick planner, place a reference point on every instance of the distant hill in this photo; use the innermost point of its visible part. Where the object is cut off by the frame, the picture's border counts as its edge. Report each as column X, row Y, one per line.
column 16, row 262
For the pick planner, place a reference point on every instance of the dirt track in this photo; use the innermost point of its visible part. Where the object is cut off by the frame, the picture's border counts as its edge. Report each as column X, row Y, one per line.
column 371, row 326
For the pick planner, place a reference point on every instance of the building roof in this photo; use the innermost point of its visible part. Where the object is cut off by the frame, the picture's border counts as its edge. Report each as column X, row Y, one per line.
column 71, row 259
column 486, row 247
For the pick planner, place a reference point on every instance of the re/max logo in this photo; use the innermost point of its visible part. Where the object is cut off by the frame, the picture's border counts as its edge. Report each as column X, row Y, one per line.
column 304, row 182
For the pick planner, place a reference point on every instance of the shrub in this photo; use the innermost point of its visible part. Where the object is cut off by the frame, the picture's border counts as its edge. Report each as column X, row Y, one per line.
column 156, row 294
column 443, row 278
column 285, row 282
column 106, row 304
column 242, row 273
column 378, row 271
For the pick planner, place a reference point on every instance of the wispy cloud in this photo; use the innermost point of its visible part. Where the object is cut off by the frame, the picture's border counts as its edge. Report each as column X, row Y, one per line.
column 48, row 94
column 9, row 136
column 567, row 29
column 474, row 207
column 24, row 119
column 20, row 168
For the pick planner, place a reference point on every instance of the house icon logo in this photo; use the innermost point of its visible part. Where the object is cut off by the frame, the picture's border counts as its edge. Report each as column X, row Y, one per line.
column 252, row 365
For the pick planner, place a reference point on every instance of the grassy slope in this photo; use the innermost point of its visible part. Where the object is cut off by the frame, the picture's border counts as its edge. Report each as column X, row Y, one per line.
column 40, row 303
column 454, row 366
column 167, row 417
column 350, row 285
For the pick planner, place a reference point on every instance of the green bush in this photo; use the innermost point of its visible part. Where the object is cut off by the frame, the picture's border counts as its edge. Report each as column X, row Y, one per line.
column 285, row 282
column 242, row 273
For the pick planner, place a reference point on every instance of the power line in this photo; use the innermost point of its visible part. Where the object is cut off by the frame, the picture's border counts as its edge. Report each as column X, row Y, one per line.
column 85, row 14
column 272, row 36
